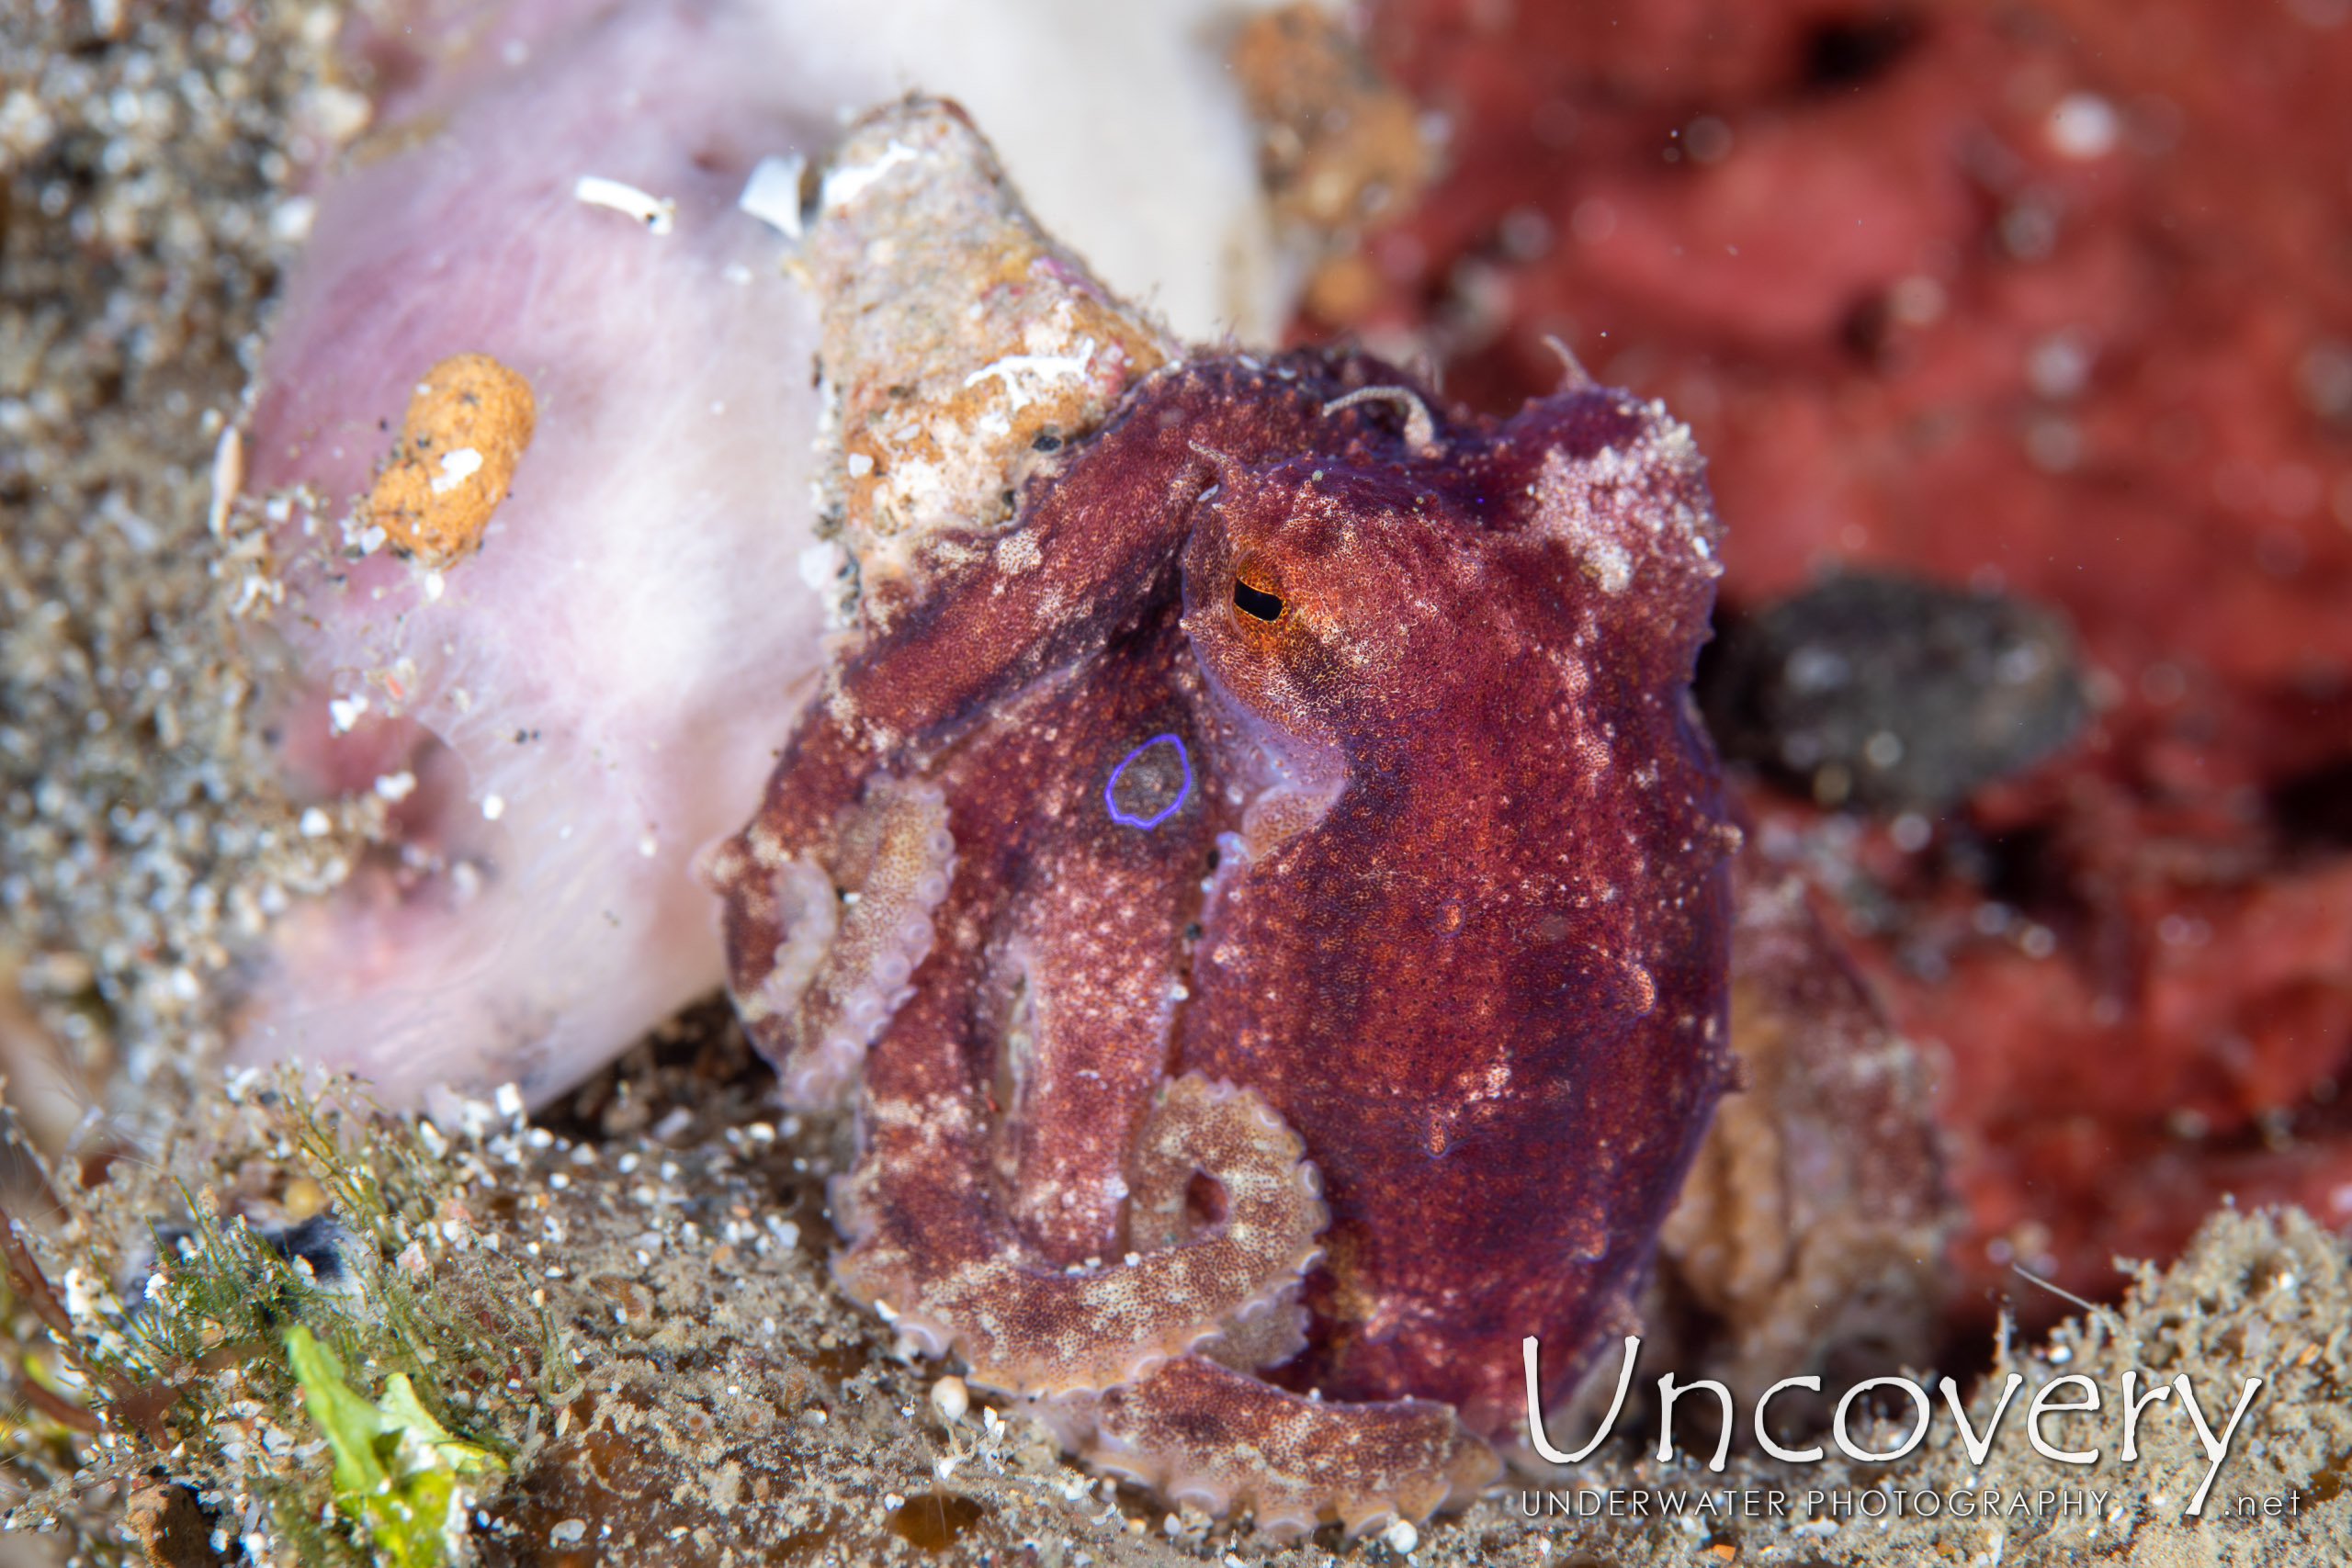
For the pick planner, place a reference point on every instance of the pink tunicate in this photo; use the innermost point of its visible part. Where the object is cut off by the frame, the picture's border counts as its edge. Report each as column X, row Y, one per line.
column 590, row 697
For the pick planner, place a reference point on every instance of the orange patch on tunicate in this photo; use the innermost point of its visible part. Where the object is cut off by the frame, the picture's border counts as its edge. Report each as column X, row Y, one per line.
column 467, row 425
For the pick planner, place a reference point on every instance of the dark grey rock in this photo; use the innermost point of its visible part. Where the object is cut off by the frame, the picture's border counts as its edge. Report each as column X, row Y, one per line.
column 1894, row 693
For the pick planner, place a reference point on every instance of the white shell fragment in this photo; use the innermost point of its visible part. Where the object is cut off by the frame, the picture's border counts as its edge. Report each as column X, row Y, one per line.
column 773, row 193
column 657, row 213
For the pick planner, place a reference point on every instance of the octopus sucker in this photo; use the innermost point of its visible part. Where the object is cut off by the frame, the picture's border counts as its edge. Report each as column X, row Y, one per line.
column 850, row 933
column 808, row 912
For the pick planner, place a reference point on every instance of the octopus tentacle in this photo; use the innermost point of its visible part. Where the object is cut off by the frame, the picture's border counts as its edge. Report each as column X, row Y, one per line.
column 943, row 1259
column 1081, row 1076
column 1201, row 1432
column 1171, row 1202
column 849, row 924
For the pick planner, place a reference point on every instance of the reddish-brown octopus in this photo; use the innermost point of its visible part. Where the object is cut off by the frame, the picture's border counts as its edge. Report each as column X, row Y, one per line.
column 1267, row 904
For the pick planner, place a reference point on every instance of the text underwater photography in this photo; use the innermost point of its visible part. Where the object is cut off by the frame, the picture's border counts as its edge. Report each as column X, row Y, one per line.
column 2083, row 1396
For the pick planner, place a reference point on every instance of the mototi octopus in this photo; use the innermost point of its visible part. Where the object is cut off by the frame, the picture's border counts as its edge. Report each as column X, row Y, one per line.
column 1266, row 901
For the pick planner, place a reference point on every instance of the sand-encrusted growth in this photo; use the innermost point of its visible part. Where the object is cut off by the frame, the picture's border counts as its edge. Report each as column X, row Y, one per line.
column 150, row 158
column 963, row 347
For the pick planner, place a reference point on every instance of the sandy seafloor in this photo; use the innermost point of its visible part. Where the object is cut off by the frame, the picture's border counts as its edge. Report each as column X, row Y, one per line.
column 151, row 155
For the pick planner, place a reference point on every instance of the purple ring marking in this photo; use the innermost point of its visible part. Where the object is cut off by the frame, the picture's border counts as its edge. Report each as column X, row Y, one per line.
column 1183, row 791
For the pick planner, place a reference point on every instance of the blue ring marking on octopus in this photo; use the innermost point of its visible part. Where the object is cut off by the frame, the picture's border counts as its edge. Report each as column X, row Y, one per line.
column 1183, row 791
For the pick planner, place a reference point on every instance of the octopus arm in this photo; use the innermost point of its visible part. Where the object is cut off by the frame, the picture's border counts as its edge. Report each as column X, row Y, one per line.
column 930, row 1242
column 1201, row 1432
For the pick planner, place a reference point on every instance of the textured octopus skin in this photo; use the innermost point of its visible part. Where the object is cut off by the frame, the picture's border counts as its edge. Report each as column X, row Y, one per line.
column 1438, row 878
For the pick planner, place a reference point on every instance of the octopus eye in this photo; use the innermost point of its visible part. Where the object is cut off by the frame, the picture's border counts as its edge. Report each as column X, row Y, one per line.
column 1256, row 601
